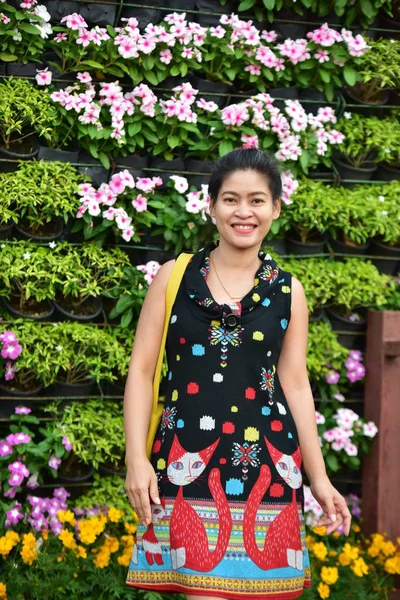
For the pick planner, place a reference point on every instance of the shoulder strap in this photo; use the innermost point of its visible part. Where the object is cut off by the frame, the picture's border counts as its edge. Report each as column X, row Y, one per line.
column 171, row 292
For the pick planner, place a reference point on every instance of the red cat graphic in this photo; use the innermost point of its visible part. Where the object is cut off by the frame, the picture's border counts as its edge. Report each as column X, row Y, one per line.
column 282, row 545
column 188, row 537
column 151, row 545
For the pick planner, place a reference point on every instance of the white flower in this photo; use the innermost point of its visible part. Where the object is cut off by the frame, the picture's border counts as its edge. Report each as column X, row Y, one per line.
column 27, row 255
column 180, row 183
column 347, row 115
column 381, row 198
column 52, row 245
column 59, row 348
column 370, row 429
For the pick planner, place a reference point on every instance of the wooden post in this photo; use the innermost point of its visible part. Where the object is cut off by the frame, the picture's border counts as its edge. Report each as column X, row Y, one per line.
column 381, row 468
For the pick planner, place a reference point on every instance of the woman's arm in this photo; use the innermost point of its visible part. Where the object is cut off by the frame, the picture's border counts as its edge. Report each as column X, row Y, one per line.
column 138, row 396
column 292, row 373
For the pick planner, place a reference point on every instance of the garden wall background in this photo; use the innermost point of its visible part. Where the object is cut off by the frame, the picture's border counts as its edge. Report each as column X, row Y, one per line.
column 109, row 115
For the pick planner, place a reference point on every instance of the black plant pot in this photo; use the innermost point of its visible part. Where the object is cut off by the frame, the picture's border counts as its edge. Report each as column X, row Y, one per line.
column 156, row 162
column 209, row 12
column 182, row 5
column 110, row 470
column 78, row 479
column 278, row 245
column 61, row 389
column 302, row 248
column 6, row 231
column 289, row 93
column 386, row 173
column 388, row 23
column 46, row 309
column 20, row 70
column 390, row 267
column 197, row 166
column 93, row 168
column 98, row 14
column 312, row 99
column 23, row 234
column 290, row 30
column 133, row 161
column 208, row 88
column 15, row 393
column 112, row 388
column 58, row 10
column 347, row 171
column 63, row 314
column 318, row 175
column 368, row 109
column 318, row 314
column 341, row 323
column 9, row 158
column 50, row 154
column 348, row 249
column 145, row 16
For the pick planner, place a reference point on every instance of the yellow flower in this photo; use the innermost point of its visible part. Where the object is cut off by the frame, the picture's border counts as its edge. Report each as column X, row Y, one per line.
column 323, row 590
column 3, row 591
column 388, row 548
column 344, row 559
column 319, row 530
column 124, row 559
column 329, row 575
column 45, row 534
column 392, row 565
column 29, row 540
column 332, row 553
column 336, row 534
column 320, row 550
column 102, row 558
column 112, row 544
column 351, row 551
column 356, row 528
column 127, row 540
column 66, row 516
column 131, row 527
column 67, row 538
column 310, row 541
column 28, row 555
column 81, row 552
column 114, row 514
column 7, row 542
column 359, row 567
column 89, row 529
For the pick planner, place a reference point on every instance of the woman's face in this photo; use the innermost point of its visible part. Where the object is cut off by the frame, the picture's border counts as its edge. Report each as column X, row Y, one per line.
column 244, row 210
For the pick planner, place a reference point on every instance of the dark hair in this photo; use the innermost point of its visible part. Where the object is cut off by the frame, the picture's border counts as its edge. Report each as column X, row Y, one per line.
column 245, row 159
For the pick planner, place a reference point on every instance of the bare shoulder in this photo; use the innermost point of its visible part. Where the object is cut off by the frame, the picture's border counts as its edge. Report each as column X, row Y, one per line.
column 299, row 300
column 161, row 279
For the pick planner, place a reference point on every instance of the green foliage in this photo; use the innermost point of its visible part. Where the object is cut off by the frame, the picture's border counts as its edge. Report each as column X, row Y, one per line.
column 24, row 110
column 323, row 348
column 39, row 191
column 105, row 491
column 96, row 430
column 380, row 67
column 20, row 39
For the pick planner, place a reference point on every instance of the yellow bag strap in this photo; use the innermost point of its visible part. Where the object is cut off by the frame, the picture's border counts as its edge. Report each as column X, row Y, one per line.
column 172, row 290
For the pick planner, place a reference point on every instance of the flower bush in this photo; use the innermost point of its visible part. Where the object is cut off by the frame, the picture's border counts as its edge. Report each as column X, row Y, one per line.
column 23, row 32
column 379, row 69
column 122, row 123
column 234, row 50
column 10, row 351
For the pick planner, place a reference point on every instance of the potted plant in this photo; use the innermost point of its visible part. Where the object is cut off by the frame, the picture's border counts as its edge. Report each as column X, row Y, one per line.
column 24, row 112
column 8, row 216
column 23, row 34
column 44, row 196
column 349, row 231
column 95, row 430
column 10, row 351
column 385, row 228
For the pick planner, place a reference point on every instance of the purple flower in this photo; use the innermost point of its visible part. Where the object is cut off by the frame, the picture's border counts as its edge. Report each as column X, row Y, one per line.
column 11, row 351
column 5, row 448
column 55, row 526
column 14, row 515
column 18, row 468
column 351, row 364
column 36, row 512
column 10, row 493
column 8, row 337
column 332, row 376
column 22, row 410
column 67, row 444
column 54, row 462
column 15, row 479
column 18, row 438
column 356, row 355
column 61, row 493
column 34, row 500
column 10, row 371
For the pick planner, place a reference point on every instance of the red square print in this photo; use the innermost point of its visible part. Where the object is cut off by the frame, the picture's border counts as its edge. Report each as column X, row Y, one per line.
column 182, row 340
column 228, row 427
column 250, row 393
column 193, row 388
column 276, row 425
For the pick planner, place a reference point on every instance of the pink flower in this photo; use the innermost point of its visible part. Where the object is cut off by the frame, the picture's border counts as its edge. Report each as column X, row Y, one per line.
column 332, row 376
column 145, row 184
column 122, row 220
column 128, row 49
column 85, row 189
column 370, row 429
column 235, row 114
column 93, row 207
column 351, row 449
column 140, row 203
column 84, row 37
column 74, row 21
column 5, row 448
column 109, row 214
column 253, row 69
column 249, row 141
column 320, row 419
column 166, row 56
column 10, row 371
column 43, row 76
column 84, row 77
column 117, row 184
column 357, row 46
column 127, row 234
column 127, row 179
column 180, row 183
column 207, row 106
column 269, row 36
column 66, row 443
column 54, row 462
column 14, row 515
column 11, row 351
column 18, row 438
column 22, row 410
column 60, row 37
column 218, row 32
column 4, row 18
column 322, row 56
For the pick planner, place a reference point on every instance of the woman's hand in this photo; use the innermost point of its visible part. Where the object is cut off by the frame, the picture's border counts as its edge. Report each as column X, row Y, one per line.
column 141, row 486
column 333, row 504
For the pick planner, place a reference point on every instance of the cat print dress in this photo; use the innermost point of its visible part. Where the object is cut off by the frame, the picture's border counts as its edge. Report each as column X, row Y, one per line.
column 226, row 453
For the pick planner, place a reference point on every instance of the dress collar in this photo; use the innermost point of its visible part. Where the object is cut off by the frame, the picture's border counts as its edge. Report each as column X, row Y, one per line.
column 196, row 285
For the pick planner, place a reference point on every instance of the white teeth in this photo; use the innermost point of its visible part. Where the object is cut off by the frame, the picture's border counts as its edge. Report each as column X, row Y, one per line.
column 243, row 226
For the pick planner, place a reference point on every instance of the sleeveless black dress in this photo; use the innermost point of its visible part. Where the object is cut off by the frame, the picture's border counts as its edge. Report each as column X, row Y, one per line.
column 226, row 452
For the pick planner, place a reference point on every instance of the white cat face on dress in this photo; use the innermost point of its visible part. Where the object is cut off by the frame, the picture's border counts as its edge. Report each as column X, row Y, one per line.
column 157, row 513
column 186, row 469
column 289, row 471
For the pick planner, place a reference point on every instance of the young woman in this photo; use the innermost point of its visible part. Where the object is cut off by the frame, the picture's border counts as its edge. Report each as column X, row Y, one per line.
column 221, row 501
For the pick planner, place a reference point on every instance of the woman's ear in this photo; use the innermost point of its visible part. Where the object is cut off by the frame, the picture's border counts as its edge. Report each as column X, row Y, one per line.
column 276, row 210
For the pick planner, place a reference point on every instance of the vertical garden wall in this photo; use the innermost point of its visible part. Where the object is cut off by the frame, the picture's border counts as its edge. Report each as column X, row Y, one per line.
column 110, row 113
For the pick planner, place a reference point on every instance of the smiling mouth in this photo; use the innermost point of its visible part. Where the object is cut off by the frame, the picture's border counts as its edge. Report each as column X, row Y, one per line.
column 244, row 227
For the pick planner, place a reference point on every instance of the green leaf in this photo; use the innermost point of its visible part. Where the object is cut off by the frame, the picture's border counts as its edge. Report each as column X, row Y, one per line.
column 8, row 57
column 126, row 319
column 93, row 64
column 246, row 4
column 225, row 147
column 332, row 462
column 350, row 75
column 124, row 303
column 325, row 76
column 134, row 128
column 304, row 159
column 269, row 4
column 150, row 76
column 173, row 141
column 28, row 28
column 231, row 73
column 367, row 9
column 104, row 159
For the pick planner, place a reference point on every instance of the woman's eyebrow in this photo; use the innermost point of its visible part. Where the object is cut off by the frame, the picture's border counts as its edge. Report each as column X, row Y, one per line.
column 249, row 194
